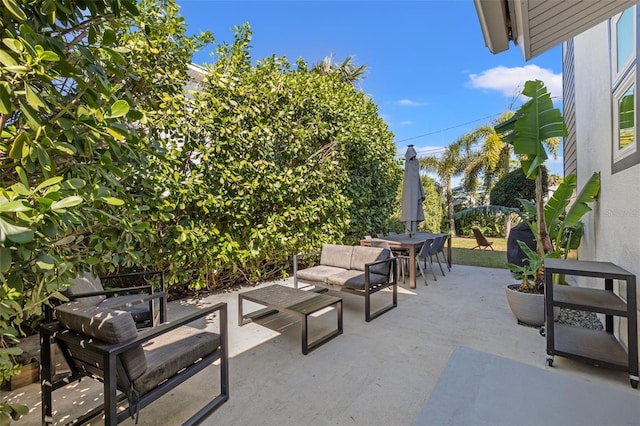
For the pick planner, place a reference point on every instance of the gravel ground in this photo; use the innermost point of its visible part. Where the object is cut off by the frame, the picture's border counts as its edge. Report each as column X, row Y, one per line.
column 580, row 318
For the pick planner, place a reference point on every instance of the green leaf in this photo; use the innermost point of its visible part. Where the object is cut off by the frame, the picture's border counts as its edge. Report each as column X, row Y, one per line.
column 75, row 183
column 6, row 106
column 22, row 175
column 119, row 109
column 5, row 259
column 20, row 146
column 588, row 194
column 15, row 233
column 14, row 206
column 7, row 60
column 108, row 37
column 48, row 55
column 31, row 116
column 67, row 202
column 93, row 260
column 14, row 8
column 557, row 204
column 33, row 98
column 64, row 148
column 21, row 189
column 535, row 122
column 49, row 182
column 113, row 201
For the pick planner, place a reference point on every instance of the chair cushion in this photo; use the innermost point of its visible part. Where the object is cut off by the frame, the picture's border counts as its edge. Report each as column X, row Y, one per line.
column 107, row 325
column 86, row 283
column 336, row 255
column 171, row 352
column 363, row 255
column 131, row 303
column 317, row 274
column 355, row 279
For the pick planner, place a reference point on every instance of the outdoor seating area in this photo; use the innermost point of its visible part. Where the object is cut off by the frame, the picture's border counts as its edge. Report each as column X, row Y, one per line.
column 358, row 270
column 398, row 359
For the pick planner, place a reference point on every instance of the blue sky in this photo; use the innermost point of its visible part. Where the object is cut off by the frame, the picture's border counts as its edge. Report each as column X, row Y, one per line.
column 428, row 69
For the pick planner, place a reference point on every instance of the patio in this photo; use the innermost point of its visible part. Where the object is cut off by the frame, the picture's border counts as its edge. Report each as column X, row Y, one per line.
column 377, row 373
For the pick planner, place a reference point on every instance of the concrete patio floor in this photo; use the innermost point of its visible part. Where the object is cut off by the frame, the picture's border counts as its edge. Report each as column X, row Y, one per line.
column 377, row 373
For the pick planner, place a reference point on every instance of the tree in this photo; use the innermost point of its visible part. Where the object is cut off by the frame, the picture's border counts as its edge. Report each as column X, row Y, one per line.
column 266, row 160
column 67, row 142
column 514, row 186
column 346, row 70
column 450, row 164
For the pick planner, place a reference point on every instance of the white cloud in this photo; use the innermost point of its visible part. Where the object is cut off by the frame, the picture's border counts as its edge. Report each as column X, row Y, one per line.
column 406, row 123
column 409, row 102
column 510, row 81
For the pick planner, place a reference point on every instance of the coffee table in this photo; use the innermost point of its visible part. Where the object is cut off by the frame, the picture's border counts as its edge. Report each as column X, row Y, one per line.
column 299, row 303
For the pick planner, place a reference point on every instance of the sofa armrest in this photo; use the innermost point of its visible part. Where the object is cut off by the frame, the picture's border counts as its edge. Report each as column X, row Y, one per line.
column 392, row 268
column 296, row 258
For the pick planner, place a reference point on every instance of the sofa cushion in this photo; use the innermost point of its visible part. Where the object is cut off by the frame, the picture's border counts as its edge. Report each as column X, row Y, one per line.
column 317, row 274
column 171, row 352
column 107, row 325
column 86, row 283
column 355, row 279
column 132, row 303
column 336, row 255
column 362, row 255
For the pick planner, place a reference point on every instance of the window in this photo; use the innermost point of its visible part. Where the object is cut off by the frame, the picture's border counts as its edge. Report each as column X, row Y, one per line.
column 625, row 151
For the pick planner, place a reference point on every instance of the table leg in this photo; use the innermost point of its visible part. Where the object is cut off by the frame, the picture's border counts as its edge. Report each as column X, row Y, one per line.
column 412, row 267
column 240, row 316
column 304, row 324
column 305, row 331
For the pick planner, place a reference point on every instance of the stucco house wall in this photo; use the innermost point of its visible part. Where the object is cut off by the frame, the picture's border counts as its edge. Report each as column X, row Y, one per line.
column 612, row 229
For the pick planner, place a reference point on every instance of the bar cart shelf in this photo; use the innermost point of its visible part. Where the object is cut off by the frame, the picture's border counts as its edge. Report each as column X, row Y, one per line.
column 600, row 348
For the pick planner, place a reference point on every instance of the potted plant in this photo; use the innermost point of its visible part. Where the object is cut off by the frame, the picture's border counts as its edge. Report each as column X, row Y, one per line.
column 534, row 123
column 526, row 304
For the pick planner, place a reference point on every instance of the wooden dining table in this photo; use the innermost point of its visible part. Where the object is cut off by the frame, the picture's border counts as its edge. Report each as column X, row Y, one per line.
column 412, row 244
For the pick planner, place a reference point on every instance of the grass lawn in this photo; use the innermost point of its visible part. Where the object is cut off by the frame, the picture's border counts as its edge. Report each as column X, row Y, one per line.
column 462, row 254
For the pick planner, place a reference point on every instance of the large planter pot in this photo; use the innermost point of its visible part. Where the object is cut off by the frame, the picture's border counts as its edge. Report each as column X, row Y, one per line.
column 527, row 307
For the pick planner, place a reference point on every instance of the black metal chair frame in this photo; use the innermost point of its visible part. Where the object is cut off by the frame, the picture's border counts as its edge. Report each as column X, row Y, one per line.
column 146, row 291
column 113, row 374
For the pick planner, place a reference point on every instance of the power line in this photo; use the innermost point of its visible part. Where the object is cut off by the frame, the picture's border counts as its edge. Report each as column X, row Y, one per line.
column 449, row 128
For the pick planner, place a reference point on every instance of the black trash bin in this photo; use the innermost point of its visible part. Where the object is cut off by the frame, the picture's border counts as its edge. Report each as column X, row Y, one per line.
column 515, row 254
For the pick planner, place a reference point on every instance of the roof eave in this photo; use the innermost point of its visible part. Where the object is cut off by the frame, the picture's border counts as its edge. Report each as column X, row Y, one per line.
column 494, row 23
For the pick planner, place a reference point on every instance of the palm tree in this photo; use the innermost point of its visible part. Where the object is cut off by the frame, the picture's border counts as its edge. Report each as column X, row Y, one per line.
column 452, row 163
column 349, row 73
column 494, row 159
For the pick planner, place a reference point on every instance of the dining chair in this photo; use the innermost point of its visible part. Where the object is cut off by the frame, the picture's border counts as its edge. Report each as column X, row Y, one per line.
column 441, row 245
column 424, row 254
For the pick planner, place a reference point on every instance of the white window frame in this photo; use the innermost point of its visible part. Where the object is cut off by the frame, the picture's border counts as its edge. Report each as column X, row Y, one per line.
column 621, row 81
column 620, row 91
column 615, row 73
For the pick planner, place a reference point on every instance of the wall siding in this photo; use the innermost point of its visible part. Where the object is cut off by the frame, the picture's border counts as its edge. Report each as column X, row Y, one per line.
column 569, row 105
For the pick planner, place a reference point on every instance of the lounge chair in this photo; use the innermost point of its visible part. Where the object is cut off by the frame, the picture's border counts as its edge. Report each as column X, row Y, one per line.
column 482, row 242
column 104, row 344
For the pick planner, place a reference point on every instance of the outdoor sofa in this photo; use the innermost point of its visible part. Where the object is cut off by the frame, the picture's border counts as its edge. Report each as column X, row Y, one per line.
column 353, row 269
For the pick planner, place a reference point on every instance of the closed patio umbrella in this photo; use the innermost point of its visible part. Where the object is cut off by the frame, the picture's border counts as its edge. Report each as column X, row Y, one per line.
column 412, row 193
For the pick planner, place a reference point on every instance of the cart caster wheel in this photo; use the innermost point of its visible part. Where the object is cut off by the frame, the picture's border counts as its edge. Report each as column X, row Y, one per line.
column 542, row 331
column 550, row 362
column 634, row 383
